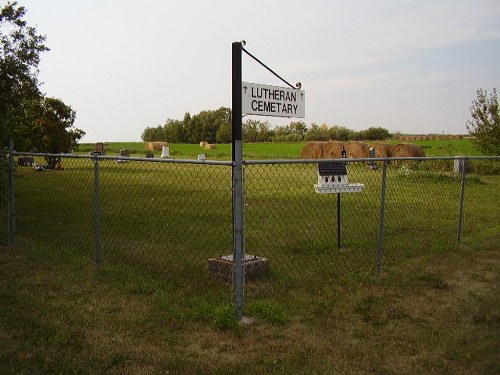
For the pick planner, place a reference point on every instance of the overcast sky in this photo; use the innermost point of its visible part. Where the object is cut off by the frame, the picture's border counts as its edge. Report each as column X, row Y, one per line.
column 411, row 66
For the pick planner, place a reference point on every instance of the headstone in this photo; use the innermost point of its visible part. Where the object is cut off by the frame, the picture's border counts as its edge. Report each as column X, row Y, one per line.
column 99, row 147
column 165, row 152
column 459, row 164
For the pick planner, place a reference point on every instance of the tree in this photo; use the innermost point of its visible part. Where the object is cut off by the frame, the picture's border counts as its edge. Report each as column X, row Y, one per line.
column 173, row 131
column 340, row 133
column 224, row 133
column 376, row 134
column 250, row 130
column 48, row 127
column 485, row 124
column 298, row 127
column 20, row 49
column 152, row 134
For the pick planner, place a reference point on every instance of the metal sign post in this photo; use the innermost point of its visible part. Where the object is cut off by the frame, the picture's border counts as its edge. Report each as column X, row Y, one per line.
column 262, row 100
column 237, row 158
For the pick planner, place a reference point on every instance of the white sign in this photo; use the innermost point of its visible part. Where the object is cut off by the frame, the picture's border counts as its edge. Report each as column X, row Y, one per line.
column 274, row 101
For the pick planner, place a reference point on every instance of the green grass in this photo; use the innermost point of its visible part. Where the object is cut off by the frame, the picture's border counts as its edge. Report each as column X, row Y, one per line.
column 437, row 313
column 455, row 147
column 191, row 151
column 151, row 306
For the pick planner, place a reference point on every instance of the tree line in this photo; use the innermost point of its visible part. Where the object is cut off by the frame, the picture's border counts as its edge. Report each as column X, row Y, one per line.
column 214, row 126
column 27, row 116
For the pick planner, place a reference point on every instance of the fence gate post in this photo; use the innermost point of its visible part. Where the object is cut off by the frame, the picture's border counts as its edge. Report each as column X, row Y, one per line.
column 380, row 243
column 238, row 205
column 12, row 197
column 97, row 211
column 463, row 164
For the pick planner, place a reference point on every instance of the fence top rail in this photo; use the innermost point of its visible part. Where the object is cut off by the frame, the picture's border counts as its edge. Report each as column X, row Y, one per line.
column 252, row 162
column 127, row 158
column 356, row 160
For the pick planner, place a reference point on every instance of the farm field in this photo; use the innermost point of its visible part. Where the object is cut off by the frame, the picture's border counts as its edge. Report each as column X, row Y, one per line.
column 151, row 307
column 455, row 147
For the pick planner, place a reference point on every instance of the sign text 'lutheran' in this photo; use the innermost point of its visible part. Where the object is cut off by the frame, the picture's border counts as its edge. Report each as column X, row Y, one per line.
column 274, row 101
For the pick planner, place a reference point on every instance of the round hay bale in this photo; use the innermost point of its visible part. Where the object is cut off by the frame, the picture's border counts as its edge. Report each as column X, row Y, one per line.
column 407, row 150
column 382, row 150
column 332, row 150
column 312, row 150
column 155, row 146
column 356, row 150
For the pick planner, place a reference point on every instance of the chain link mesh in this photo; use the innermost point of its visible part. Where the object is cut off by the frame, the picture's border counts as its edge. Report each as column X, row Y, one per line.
column 4, row 197
column 165, row 219
column 287, row 222
column 156, row 219
column 296, row 228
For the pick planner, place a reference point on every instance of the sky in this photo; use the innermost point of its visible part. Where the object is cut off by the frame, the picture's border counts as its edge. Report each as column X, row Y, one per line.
column 410, row 66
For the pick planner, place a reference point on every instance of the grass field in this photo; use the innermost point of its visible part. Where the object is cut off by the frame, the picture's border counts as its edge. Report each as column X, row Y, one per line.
column 454, row 147
column 432, row 314
column 151, row 306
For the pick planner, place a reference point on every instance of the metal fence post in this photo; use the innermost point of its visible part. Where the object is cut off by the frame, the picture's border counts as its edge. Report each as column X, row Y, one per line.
column 237, row 156
column 12, row 197
column 97, row 212
column 463, row 164
column 380, row 243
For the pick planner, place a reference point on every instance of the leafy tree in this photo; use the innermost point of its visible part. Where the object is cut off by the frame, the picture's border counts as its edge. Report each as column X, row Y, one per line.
column 298, row 127
column 151, row 134
column 374, row 134
column 340, row 133
column 204, row 125
column 250, row 130
column 48, row 127
column 20, row 49
column 281, row 132
column 265, row 131
column 485, row 124
column 356, row 136
column 224, row 133
column 173, row 131
column 312, row 133
column 257, row 131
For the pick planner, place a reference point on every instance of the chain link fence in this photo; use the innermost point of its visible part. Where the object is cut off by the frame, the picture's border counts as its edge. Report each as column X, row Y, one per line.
column 154, row 219
column 313, row 240
column 165, row 218
column 4, row 197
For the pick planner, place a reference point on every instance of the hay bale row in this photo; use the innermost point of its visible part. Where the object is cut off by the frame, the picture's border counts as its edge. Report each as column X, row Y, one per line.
column 429, row 137
column 155, row 146
column 382, row 150
column 359, row 150
column 407, row 150
column 312, row 150
column 332, row 150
